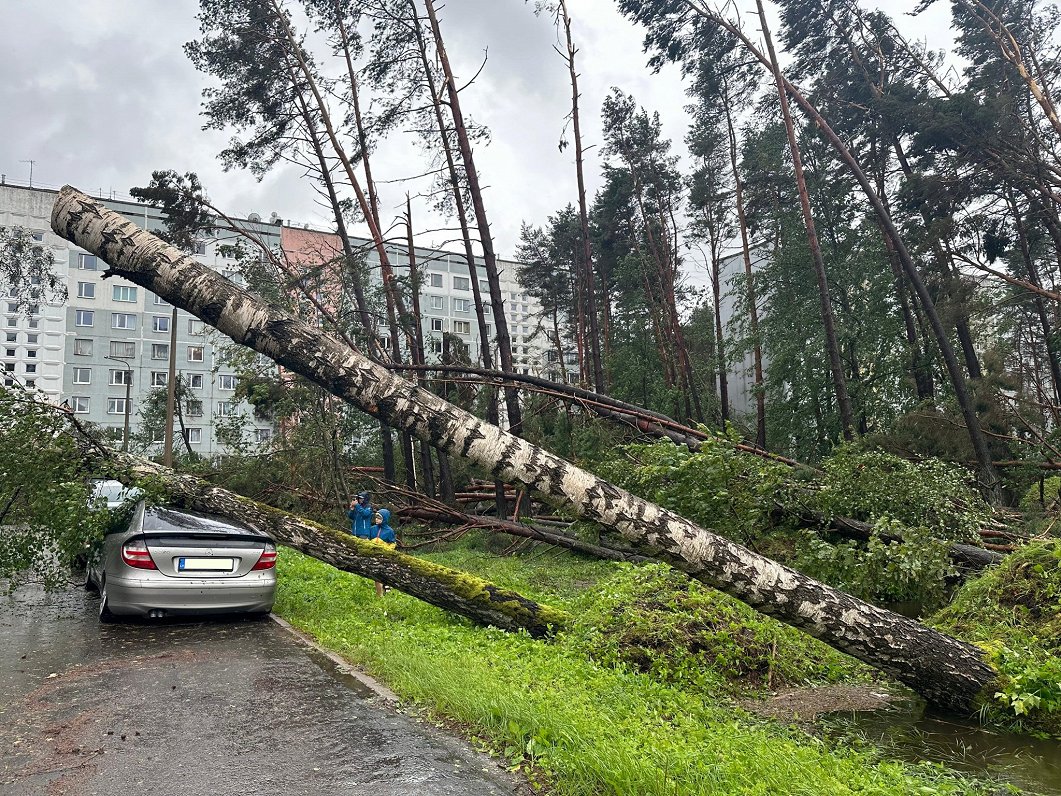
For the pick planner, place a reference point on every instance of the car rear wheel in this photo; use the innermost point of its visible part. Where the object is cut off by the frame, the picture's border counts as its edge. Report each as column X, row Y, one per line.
column 105, row 615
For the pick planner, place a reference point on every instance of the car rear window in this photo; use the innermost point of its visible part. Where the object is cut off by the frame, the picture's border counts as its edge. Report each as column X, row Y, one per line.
column 163, row 519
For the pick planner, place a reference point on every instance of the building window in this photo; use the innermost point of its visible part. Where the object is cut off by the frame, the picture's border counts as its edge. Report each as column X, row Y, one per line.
column 34, row 323
column 119, row 378
column 437, row 325
column 195, row 435
column 195, row 381
column 86, row 290
column 436, row 345
column 83, row 317
column 32, row 338
column 123, row 293
column 159, row 378
column 115, row 406
column 31, row 383
column 123, row 320
column 158, row 301
column 438, row 303
column 31, row 367
column 226, row 409
column 159, row 323
column 195, row 353
column 226, row 382
column 462, row 327
column 82, row 375
column 200, row 247
column 86, row 262
column 9, row 367
column 461, row 305
column 31, row 353
column 434, row 280
column 79, row 405
column 12, row 321
column 462, row 283
column 195, row 408
column 484, row 286
column 195, row 326
column 263, row 435
column 38, row 237
column 9, row 352
column 160, row 350
column 11, row 336
column 12, row 306
column 120, row 349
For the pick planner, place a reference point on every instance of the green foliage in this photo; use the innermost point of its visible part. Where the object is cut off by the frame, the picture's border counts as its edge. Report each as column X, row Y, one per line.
column 586, row 727
column 913, row 571
column 657, row 621
column 925, row 504
column 929, row 493
column 1014, row 612
column 44, row 493
column 717, row 487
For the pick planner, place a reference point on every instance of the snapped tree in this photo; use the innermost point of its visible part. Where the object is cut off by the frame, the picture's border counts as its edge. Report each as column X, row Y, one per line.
column 948, row 672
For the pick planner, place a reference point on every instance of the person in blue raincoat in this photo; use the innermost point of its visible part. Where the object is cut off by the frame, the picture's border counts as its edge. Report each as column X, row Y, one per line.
column 382, row 534
column 360, row 515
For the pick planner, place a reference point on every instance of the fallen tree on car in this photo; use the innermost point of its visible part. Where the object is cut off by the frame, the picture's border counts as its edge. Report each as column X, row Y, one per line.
column 946, row 671
column 459, row 592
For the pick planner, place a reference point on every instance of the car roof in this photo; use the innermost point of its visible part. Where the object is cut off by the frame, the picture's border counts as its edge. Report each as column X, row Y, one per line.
column 161, row 518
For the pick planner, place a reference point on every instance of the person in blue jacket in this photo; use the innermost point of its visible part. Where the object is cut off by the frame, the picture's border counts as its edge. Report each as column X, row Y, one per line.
column 383, row 534
column 360, row 515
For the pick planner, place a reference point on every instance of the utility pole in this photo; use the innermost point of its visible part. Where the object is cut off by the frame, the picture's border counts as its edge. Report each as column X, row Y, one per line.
column 171, row 392
column 31, row 162
column 128, row 400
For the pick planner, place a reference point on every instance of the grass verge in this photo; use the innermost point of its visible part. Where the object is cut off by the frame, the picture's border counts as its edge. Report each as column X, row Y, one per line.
column 590, row 726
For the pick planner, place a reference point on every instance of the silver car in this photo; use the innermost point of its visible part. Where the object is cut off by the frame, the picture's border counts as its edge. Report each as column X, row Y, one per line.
column 169, row 563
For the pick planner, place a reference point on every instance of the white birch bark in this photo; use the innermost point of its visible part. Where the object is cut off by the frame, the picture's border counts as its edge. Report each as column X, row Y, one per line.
column 944, row 670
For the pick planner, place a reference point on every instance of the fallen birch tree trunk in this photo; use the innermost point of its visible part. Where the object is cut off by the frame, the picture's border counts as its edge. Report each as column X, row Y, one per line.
column 948, row 672
column 450, row 589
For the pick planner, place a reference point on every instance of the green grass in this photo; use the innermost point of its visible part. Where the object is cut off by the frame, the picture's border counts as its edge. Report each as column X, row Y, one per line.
column 589, row 727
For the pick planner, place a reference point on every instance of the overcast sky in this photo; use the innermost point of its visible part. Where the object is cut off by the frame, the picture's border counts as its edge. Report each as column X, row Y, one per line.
column 99, row 93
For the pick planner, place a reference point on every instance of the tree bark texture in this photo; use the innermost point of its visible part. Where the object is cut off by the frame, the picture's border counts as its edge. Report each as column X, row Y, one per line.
column 946, row 671
column 449, row 589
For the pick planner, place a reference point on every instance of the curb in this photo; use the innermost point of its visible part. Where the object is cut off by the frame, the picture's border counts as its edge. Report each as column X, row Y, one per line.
column 341, row 664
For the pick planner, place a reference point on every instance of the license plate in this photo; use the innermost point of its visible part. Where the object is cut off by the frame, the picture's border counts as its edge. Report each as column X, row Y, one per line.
column 204, row 564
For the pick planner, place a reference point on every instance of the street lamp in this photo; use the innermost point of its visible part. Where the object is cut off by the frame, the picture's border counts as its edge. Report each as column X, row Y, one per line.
column 128, row 390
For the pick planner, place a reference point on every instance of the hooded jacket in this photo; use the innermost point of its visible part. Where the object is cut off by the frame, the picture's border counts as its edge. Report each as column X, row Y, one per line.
column 360, row 517
column 384, row 533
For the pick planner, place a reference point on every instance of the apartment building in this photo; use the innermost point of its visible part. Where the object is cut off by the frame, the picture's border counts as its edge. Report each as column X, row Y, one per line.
column 111, row 335
column 446, row 299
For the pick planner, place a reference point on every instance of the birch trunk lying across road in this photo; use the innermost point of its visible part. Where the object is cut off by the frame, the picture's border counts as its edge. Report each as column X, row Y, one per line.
column 948, row 672
column 450, row 589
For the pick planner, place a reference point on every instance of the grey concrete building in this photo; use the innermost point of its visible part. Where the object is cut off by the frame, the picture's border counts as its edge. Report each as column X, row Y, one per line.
column 111, row 334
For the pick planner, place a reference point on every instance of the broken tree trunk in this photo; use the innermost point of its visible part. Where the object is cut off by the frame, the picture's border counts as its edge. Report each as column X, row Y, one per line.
column 946, row 671
column 449, row 589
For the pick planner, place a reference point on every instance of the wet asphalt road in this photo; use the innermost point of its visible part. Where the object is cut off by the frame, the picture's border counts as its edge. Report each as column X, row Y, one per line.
column 202, row 707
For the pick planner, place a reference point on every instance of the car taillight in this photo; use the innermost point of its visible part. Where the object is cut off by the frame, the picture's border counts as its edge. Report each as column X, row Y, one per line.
column 267, row 560
column 135, row 554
